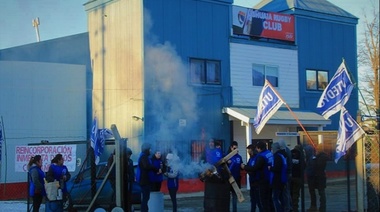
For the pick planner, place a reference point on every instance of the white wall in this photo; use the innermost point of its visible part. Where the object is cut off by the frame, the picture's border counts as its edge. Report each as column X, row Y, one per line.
column 242, row 58
column 40, row 101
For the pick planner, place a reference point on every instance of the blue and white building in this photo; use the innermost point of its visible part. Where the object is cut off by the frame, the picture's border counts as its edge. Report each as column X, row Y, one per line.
column 176, row 73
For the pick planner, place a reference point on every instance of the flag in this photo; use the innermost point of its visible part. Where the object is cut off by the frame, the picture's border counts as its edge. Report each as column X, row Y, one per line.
column 269, row 103
column 349, row 132
column 95, row 140
column 98, row 139
column 336, row 94
column 94, row 133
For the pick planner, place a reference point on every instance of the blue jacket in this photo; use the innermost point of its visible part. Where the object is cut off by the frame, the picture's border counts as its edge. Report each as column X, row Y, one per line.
column 279, row 170
column 37, row 182
column 268, row 155
column 260, row 166
column 153, row 176
column 253, row 176
column 172, row 175
column 234, row 166
column 144, row 167
column 56, row 172
column 213, row 155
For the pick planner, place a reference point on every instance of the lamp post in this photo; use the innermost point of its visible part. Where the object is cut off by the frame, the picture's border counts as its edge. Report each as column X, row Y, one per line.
column 35, row 23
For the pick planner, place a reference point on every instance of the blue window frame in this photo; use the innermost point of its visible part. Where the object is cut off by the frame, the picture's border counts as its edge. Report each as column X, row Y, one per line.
column 316, row 80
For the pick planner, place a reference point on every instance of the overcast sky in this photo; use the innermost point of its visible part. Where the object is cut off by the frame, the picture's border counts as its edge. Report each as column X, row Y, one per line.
column 59, row 18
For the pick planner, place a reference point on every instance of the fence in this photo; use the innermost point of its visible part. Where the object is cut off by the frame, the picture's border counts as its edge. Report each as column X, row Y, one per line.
column 358, row 168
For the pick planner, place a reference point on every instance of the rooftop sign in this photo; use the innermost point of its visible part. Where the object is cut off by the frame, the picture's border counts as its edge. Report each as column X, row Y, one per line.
column 263, row 24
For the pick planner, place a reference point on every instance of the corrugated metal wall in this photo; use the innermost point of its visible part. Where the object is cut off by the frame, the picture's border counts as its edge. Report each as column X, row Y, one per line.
column 116, row 46
column 322, row 44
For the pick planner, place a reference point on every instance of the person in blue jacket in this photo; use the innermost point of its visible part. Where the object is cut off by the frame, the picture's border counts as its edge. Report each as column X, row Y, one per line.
column 216, row 154
column 279, row 178
column 264, row 160
column 253, row 178
column 234, row 166
column 142, row 176
column 36, row 177
column 156, row 177
column 172, row 175
column 58, row 172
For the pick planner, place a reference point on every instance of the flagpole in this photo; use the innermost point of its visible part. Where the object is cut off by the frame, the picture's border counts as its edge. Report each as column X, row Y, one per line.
column 5, row 154
column 355, row 84
column 294, row 115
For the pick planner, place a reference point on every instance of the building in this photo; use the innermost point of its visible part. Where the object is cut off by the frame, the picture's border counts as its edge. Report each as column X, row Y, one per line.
column 175, row 74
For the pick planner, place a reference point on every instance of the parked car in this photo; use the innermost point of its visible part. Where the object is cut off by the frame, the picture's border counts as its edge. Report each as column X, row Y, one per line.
column 79, row 188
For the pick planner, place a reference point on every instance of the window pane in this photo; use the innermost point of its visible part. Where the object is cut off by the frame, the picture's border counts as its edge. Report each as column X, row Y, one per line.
column 197, row 150
column 213, row 72
column 257, row 75
column 322, row 80
column 311, row 80
column 271, row 73
column 197, row 71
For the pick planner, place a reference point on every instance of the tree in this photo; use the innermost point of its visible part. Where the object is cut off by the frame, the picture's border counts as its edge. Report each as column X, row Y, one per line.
column 368, row 59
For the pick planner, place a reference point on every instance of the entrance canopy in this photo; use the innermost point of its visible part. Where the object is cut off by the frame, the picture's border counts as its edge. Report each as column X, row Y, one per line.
column 281, row 117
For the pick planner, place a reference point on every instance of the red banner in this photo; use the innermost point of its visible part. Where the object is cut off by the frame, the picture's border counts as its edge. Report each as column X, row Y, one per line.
column 263, row 24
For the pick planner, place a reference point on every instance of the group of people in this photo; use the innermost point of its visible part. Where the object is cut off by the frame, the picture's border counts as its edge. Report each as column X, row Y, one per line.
column 276, row 176
column 37, row 177
column 150, row 173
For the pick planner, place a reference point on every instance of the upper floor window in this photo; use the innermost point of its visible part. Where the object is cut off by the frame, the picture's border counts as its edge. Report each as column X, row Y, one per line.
column 262, row 72
column 205, row 71
column 316, row 80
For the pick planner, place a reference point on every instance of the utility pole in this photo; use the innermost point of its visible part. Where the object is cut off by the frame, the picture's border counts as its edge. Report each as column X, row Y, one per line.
column 35, row 23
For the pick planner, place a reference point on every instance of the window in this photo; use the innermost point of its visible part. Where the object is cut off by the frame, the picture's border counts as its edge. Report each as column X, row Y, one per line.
column 316, row 80
column 205, row 71
column 197, row 150
column 262, row 72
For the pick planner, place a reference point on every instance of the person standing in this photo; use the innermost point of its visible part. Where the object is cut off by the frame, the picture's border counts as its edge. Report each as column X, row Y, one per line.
column 206, row 156
column 253, row 178
column 156, row 177
column 279, row 178
column 285, row 151
column 318, row 180
column 142, row 176
column 234, row 167
column 59, row 172
column 264, row 159
column 130, row 175
column 36, row 177
column 310, row 173
column 298, row 165
column 172, row 175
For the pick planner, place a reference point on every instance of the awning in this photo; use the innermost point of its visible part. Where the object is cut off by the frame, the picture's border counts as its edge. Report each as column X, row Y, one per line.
column 281, row 117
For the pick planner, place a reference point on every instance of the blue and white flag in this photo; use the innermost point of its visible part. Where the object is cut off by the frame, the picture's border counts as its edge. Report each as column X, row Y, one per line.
column 336, row 94
column 269, row 103
column 349, row 132
column 98, row 139
column 94, row 133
